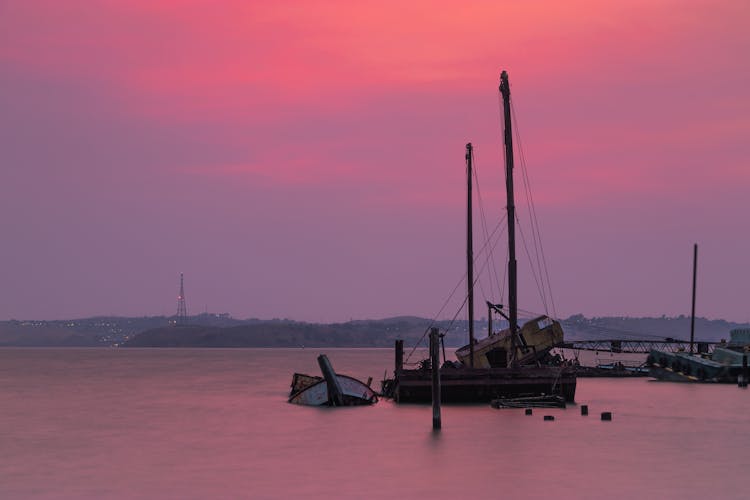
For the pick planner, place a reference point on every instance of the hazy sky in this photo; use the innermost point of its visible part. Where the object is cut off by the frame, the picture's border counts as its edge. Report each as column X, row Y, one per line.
column 306, row 159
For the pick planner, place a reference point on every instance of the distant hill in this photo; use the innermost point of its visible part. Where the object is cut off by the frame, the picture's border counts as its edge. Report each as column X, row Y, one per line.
column 221, row 330
column 29, row 334
column 370, row 333
column 95, row 331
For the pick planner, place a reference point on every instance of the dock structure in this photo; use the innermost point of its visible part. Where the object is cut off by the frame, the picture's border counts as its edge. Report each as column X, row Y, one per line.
column 637, row 346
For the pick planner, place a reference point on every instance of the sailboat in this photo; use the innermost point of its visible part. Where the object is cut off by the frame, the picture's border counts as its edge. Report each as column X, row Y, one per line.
column 512, row 363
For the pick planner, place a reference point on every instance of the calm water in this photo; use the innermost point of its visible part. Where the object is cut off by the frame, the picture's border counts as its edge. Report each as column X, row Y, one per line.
column 214, row 423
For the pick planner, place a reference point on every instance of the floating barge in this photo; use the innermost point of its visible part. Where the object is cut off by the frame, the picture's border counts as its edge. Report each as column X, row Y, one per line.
column 462, row 384
column 727, row 364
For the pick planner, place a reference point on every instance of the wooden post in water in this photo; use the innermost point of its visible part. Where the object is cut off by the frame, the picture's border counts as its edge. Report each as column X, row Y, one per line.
column 398, row 368
column 435, row 365
column 399, row 356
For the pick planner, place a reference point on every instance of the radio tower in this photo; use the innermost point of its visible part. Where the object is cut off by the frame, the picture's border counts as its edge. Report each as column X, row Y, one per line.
column 181, row 318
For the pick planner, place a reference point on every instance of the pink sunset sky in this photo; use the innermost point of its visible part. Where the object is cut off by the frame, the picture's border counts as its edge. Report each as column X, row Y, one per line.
column 306, row 159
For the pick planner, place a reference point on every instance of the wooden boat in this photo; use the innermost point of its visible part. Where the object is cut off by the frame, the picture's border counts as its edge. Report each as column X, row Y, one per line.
column 332, row 389
column 513, row 363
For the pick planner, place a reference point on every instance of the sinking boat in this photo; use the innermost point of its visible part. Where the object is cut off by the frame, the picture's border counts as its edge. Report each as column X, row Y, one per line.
column 332, row 389
column 534, row 341
column 515, row 362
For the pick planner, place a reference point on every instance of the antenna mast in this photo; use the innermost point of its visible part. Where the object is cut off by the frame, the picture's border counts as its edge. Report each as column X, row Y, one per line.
column 181, row 317
column 512, row 281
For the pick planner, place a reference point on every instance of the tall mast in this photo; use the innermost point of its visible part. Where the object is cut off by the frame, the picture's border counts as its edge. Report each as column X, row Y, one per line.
column 470, row 252
column 692, row 312
column 512, row 282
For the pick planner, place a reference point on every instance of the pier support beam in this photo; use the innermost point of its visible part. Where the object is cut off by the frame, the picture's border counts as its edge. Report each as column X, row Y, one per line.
column 399, row 356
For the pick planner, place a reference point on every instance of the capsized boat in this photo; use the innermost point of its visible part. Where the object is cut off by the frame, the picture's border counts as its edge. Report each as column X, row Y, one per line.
column 332, row 389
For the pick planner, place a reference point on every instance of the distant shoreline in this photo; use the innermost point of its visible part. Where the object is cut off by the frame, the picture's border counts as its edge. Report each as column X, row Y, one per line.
column 222, row 331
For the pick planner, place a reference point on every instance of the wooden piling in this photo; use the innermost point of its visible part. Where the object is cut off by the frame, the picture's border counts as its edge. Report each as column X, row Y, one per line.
column 435, row 364
column 399, row 355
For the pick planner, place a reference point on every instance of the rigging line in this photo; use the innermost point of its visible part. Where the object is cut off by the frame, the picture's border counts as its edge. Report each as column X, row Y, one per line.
column 434, row 318
column 535, row 220
column 476, row 279
column 466, row 297
column 529, row 200
column 460, row 308
column 483, row 218
column 488, row 256
column 487, row 259
column 453, row 292
column 491, row 242
column 533, row 271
